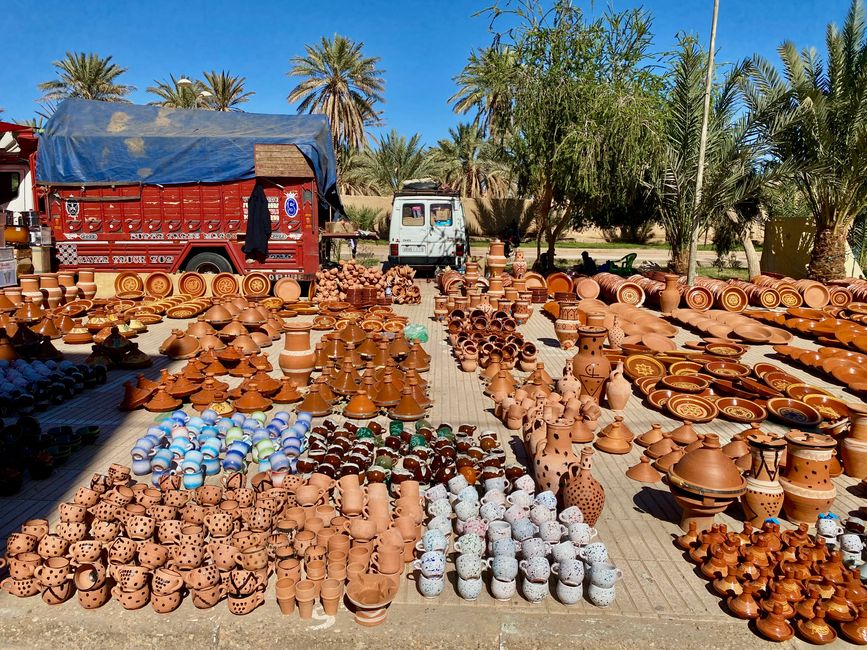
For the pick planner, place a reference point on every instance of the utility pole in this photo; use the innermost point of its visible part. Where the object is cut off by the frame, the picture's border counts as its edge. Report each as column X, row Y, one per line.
column 699, row 177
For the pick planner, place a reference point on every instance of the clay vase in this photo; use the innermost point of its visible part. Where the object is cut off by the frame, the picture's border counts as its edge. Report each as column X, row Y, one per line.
column 581, row 489
column 554, row 454
column 567, row 324
column 669, row 298
column 50, row 288
column 764, row 495
column 853, row 448
column 590, row 365
column 86, row 285
column 297, row 357
column 615, row 334
column 519, row 266
column 807, row 479
column 618, row 389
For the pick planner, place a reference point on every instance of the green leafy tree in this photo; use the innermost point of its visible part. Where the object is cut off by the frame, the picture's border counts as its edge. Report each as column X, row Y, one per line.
column 339, row 81
column 184, row 95
column 88, row 76
column 486, row 86
column 814, row 117
column 226, row 90
column 466, row 162
column 393, row 160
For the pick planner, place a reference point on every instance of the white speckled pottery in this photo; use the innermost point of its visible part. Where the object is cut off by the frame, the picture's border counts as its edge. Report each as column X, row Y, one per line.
column 568, row 594
column 535, row 592
column 469, row 589
column 572, row 515
column 503, row 589
column 600, row 596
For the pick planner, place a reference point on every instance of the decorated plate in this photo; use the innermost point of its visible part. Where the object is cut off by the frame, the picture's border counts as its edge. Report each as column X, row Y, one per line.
column 659, row 397
column 793, row 412
column 780, row 380
column 684, row 383
column 727, row 369
column 830, row 408
column 256, row 284
column 642, row 365
column 128, row 281
column 758, row 388
column 699, row 298
column 800, row 391
column 630, row 293
column 224, row 284
column 159, row 285
column 646, row 384
column 738, row 409
column 684, row 368
column 691, row 408
column 725, row 349
column 558, row 282
column 288, row 289
column 733, row 299
column 193, row 284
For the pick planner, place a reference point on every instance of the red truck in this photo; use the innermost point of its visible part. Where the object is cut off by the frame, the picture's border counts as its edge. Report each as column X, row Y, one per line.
column 147, row 188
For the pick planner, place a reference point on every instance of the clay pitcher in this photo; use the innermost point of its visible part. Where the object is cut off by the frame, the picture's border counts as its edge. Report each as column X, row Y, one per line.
column 669, row 298
column 590, row 365
column 297, row 357
column 618, row 390
column 582, row 489
column 554, row 455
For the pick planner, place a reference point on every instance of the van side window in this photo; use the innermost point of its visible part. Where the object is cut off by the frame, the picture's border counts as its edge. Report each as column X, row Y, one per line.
column 413, row 214
column 9, row 182
column 441, row 214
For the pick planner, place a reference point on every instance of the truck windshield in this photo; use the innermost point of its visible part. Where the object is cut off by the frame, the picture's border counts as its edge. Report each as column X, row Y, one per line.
column 413, row 214
column 9, row 182
column 441, row 214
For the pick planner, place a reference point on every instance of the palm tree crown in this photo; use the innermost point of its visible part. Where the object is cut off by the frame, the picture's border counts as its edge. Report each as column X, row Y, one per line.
column 466, row 162
column 338, row 81
column 227, row 91
column 393, row 161
column 88, row 76
column 485, row 85
column 174, row 95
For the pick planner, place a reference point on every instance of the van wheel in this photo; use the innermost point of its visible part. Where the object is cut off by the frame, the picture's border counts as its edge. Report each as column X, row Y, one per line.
column 208, row 263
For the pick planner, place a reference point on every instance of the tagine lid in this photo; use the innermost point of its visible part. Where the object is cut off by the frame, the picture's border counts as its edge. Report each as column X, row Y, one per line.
column 759, row 438
column 808, row 439
column 708, row 471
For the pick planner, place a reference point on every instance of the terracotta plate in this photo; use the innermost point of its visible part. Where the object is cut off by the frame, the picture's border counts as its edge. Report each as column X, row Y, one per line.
column 646, row 384
column 630, row 293
column 159, row 285
column 758, row 388
column 535, row 280
column 256, row 284
column 586, row 288
column 753, row 333
column 830, row 408
column 642, row 365
column 691, row 408
column 699, row 298
column 684, row 383
column 193, row 283
column 128, row 281
column 725, row 349
column 800, row 391
column 793, row 412
column 558, row 282
column 684, row 368
column 224, row 284
column 742, row 410
column 659, row 397
column 288, row 289
column 780, row 380
column 727, row 369
column 658, row 342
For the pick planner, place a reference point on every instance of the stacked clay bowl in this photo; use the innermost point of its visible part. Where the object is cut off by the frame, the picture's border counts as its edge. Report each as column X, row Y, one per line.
column 831, row 325
column 722, row 324
column 844, row 366
column 617, row 289
column 697, row 297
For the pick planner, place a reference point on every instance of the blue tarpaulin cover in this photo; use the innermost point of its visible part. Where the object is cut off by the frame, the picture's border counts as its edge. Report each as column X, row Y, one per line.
column 101, row 142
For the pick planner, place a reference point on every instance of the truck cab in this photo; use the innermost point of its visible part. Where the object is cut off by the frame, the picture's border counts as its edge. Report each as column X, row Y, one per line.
column 427, row 228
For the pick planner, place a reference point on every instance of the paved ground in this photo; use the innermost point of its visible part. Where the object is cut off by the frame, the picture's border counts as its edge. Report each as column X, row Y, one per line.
column 660, row 603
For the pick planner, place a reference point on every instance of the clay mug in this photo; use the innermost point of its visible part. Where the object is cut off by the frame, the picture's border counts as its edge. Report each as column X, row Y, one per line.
column 21, row 543
column 604, row 574
column 352, row 502
column 564, row 551
column 187, row 556
column 176, row 498
column 547, row 499
column 520, row 498
column 314, row 524
column 524, row 529
column 202, row 577
column 571, row 515
column 36, row 527
column 21, row 588
column 85, row 551
column 593, row 553
column 86, row 497
column 139, row 527
column 129, row 576
column 408, row 527
column 516, row 513
column 165, row 603
column 71, row 531
column 495, row 496
column 303, row 540
column 499, row 530
column 245, row 497
column 470, row 544
column 192, row 534
column 131, row 598
column 222, row 555
column 526, row 484
column 388, row 559
column 253, row 559
column 390, row 537
column 552, row 531
column 94, row 598
column 431, row 564
column 535, row 547
column 470, row 566
column 193, row 513
column 339, row 542
column 439, row 508
column 430, row 586
column 160, row 512
column 499, row 483
column 469, row 588
column 52, row 545
column 539, row 514
column 219, row 523
column 259, row 519
column 169, row 530
column 309, row 495
column 362, row 529
column 503, row 567
column 209, row 495
column 569, row 571
column 89, row 576
column 851, row 542
column 600, row 596
column 442, row 524
column 475, row 525
column 246, row 539
column 507, row 547
column 207, row 598
column 569, row 594
column 466, row 509
column 491, row 512
column 457, row 483
column 436, row 492
column 503, row 589
column 122, row 550
column 536, row 569
column 829, row 527
column 23, row 565
column 433, row 540
column 152, row 555
column 120, row 495
column 59, row 594
column 469, row 493
column 289, row 568
column 581, row 533
column 118, row 474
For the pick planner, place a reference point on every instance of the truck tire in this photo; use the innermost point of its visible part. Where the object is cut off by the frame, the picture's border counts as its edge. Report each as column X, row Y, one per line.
column 208, row 263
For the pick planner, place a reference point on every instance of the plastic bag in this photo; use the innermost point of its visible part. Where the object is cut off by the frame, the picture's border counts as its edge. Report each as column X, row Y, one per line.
column 416, row 332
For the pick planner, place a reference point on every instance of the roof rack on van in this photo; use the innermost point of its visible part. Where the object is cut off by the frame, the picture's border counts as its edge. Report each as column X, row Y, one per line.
column 427, row 192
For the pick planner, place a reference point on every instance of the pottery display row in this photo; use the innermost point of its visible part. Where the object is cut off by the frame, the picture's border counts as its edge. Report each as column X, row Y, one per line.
column 351, row 278
column 787, row 582
column 732, row 326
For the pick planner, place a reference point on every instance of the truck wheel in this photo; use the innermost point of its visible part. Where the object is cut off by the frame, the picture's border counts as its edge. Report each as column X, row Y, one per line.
column 208, row 263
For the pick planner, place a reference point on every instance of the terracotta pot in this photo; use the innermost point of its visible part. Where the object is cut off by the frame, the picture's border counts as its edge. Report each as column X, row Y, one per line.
column 583, row 490
column 590, row 365
column 669, row 298
column 553, row 455
column 618, row 389
column 807, row 479
column 567, row 324
column 764, row 495
column 297, row 357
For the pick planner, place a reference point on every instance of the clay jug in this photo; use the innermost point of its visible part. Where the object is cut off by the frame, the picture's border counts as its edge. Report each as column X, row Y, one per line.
column 568, row 383
column 582, row 489
column 297, row 358
column 669, row 298
column 615, row 334
column 590, row 365
column 554, row 454
column 568, row 324
column 86, row 284
column 618, row 390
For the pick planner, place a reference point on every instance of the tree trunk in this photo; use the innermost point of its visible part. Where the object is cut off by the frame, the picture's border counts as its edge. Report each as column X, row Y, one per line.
column 679, row 262
column 828, row 259
column 753, row 266
column 543, row 212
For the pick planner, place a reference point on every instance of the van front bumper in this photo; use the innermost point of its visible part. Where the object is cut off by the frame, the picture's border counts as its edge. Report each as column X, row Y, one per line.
column 424, row 262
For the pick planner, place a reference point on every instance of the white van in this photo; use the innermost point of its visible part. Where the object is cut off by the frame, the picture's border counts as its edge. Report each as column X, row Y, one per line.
column 427, row 228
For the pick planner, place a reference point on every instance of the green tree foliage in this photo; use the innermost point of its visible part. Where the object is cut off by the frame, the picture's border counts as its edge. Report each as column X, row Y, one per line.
column 87, row 76
column 469, row 164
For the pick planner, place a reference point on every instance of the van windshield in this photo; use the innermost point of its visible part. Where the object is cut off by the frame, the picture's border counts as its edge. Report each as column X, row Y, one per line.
column 441, row 214
column 413, row 214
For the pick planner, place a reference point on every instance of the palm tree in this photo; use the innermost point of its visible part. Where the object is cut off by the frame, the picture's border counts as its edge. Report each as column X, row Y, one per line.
column 393, row 161
column 731, row 160
column 351, row 175
column 337, row 80
column 88, row 76
column 486, row 86
column 814, row 116
column 180, row 92
column 468, row 163
column 227, row 91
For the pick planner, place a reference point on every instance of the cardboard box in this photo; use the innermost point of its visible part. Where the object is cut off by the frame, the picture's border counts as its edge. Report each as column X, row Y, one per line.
column 8, row 276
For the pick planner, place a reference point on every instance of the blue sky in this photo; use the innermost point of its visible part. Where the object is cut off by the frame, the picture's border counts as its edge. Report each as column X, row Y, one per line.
column 422, row 44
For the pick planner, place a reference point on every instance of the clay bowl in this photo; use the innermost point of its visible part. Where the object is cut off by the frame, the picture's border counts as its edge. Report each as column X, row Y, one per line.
column 850, row 374
column 830, row 408
column 659, row 397
column 738, row 409
column 753, row 333
column 726, row 369
column 799, row 391
column 760, row 389
column 684, row 368
column 761, row 369
column 684, row 383
column 646, row 384
column 793, row 412
column 692, row 408
column 780, row 380
column 728, row 350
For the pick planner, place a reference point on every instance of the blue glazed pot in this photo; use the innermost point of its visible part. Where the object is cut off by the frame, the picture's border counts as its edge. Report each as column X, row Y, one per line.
column 141, row 467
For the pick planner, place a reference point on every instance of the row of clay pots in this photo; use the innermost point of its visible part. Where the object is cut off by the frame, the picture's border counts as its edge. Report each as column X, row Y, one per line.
column 786, row 582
